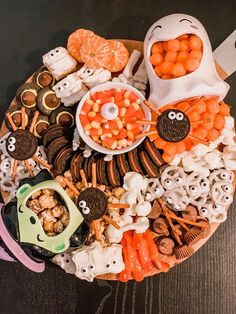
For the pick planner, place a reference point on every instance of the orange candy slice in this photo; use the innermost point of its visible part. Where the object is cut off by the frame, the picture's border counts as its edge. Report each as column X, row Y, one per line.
column 120, row 56
column 95, row 52
column 75, row 40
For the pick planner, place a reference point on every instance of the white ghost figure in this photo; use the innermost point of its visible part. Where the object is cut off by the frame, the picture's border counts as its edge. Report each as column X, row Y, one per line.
column 134, row 184
column 93, row 77
column 154, row 190
column 203, row 81
column 65, row 261
column 71, row 89
column 93, row 260
column 59, row 62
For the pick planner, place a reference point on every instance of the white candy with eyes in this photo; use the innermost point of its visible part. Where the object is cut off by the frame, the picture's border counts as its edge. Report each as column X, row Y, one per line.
column 85, row 209
column 93, row 77
column 222, row 192
column 59, row 62
column 213, row 212
column 64, row 260
column 221, row 175
column 71, row 89
column 173, row 177
column 154, row 190
column 203, row 81
column 197, row 185
column 93, row 260
column 176, row 199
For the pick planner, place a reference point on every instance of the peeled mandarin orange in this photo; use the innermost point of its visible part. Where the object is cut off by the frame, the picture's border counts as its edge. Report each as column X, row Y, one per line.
column 200, row 132
column 183, row 106
column 96, row 52
column 75, row 40
column 166, row 77
column 165, row 46
column 184, row 36
column 120, row 56
column 208, row 116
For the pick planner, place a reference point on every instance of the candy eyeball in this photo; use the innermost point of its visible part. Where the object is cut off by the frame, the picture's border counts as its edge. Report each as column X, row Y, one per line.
column 157, row 191
column 179, row 116
column 227, row 188
column 204, row 185
column 109, row 111
column 179, row 180
column 224, row 175
column 148, row 196
column 66, row 84
column 169, row 200
column 168, row 183
column 82, row 204
column 177, row 207
column 171, row 115
column 91, row 267
column 11, row 140
column 86, row 210
column 204, row 211
column 227, row 199
column 217, row 208
column 89, row 71
column 193, row 189
column 11, row 147
column 84, row 270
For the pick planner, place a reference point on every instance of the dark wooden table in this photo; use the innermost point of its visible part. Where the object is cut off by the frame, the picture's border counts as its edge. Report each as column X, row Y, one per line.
column 205, row 283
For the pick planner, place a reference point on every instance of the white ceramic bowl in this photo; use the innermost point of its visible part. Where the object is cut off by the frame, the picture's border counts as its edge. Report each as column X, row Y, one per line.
column 89, row 141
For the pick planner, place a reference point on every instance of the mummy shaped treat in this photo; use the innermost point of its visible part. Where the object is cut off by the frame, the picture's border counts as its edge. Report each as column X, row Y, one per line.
column 203, row 81
column 59, row 62
column 93, row 77
column 173, row 177
column 94, row 260
column 71, row 89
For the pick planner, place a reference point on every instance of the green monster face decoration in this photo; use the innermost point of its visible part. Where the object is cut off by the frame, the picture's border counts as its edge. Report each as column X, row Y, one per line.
column 30, row 229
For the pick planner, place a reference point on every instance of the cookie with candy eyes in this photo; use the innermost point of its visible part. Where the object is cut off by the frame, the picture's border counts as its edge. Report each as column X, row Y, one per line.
column 221, row 175
column 213, row 212
column 173, row 125
column 173, row 177
column 197, row 184
column 21, row 144
column 176, row 199
column 221, row 193
column 92, row 203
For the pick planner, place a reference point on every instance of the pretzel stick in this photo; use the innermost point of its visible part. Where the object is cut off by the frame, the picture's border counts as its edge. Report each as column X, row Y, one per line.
column 180, row 222
column 198, row 139
column 23, row 117
column 193, row 105
column 197, row 224
column 83, row 177
column 29, row 168
column 42, row 162
column 94, row 175
column 14, row 169
column 95, row 225
column 146, row 134
column 35, row 118
column 111, row 221
column 14, row 128
column 200, row 122
column 112, row 205
column 145, row 122
column 151, row 106
column 71, row 186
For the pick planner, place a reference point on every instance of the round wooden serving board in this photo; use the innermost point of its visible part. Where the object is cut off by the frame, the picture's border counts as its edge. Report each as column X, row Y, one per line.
column 131, row 45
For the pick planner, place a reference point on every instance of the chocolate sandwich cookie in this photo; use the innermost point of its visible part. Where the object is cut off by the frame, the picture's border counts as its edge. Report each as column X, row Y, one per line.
column 112, row 173
column 148, row 165
column 183, row 251
column 102, row 171
column 173, row 125
column 132, row 157
column 98, row 173
column 21, row 144
column 92, row 159
column 153, row 152
column 62, row 159
column 79, row 164
column 122, row 164
column 15, row 113
column 47, row 101
column 41, row 125
column 26, row 95
column 92, row 203
column 63, row 116
column 55, row 146
column 43, row 78
column 72, row 165
column 55, row 131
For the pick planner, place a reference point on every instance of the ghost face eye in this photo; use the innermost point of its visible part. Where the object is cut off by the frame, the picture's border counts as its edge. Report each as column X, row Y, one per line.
column 82, row 204
column 91, row 267
column 52, row 54
column 11, row 147
column 84, row 270
column 65, row 84
column 60, row 88
column 148, row 196
column 179, row 116
column 157, row 191
column 57, row 50
column 171, row 115
column 86, row 210
column 11, row 140
column 88, row 71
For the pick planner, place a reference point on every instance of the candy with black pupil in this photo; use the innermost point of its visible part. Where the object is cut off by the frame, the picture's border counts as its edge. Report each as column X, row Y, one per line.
column 63, row 116
column 15, row 112
column 47, row 101
column 173, row 125
column 25, row 145
column 95, row 200
column 26, row 95
column 43, row 78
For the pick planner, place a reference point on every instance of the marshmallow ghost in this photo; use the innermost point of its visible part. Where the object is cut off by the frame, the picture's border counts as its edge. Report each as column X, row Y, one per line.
column 202, row 82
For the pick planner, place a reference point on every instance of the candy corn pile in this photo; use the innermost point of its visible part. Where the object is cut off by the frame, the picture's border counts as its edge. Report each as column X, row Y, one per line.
column 115, row 131
column 176, row 57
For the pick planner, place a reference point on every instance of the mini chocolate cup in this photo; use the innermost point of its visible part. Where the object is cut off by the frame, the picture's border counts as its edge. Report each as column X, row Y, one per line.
column 47, row 101
column 43, row 78
column 63, row 116
column 26, row 95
